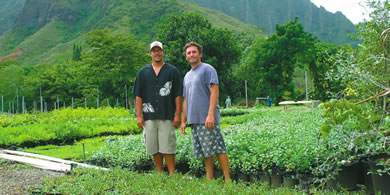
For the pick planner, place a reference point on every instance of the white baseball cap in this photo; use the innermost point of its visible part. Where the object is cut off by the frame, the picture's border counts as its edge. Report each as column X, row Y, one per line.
column 156, row 44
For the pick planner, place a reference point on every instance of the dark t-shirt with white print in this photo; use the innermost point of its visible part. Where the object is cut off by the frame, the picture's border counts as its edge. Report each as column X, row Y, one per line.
column 158, row 92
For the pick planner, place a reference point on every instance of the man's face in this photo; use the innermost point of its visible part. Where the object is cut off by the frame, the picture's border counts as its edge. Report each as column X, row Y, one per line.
column 192, row 55
column 157, row 54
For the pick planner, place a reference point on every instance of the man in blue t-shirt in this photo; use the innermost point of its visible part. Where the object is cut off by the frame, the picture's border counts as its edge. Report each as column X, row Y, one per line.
column 269, row 101
column 201, row 111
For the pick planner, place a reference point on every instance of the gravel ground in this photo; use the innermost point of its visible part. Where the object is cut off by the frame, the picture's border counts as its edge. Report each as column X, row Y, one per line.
column 15, row 177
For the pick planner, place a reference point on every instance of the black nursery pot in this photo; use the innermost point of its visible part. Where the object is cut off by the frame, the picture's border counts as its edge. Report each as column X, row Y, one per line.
column 348, row 177
column 380, row 182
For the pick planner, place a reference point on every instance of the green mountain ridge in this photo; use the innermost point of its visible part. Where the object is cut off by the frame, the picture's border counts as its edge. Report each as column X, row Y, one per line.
column 9, row 10
column 47, row 30
column 327, row 26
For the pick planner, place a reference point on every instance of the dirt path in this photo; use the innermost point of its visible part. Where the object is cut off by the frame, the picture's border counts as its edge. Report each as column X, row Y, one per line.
column 15, row 177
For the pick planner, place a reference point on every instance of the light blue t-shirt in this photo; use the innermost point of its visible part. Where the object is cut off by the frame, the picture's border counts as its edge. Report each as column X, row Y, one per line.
column 196, row 91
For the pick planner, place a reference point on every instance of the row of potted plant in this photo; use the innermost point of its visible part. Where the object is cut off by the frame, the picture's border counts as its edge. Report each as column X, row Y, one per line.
column 63, row 115
column 274, row 142
column 64, row 126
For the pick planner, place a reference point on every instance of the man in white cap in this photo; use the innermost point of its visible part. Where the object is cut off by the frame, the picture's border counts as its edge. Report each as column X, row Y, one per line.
column 158, row 89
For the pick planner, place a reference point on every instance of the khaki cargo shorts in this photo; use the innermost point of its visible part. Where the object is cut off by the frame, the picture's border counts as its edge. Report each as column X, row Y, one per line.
column 160, row 137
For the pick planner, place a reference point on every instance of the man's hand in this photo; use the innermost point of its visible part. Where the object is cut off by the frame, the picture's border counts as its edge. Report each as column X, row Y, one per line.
column 176, row 121
column 183, row 128
column 140, row 122
column 210, row 122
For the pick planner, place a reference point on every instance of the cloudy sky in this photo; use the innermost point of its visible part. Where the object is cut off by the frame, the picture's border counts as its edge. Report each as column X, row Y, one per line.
column 350, row 8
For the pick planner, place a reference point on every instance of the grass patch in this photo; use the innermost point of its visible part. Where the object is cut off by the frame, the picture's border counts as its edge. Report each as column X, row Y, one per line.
column 122, row 181
column 72, row 152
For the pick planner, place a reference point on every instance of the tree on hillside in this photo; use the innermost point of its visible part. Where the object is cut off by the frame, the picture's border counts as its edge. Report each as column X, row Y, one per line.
column 321, row 65
column 76, row 52
column 111, row 62
column 270, row 63
column 54, row 81
column 108, row 64
column 220, row 49
column 11, row 85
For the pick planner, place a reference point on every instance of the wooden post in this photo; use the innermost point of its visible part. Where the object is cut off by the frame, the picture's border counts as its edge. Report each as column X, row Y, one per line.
column 72, row 104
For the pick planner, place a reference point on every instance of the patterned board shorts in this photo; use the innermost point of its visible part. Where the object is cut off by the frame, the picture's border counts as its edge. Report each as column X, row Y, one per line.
column 207, row 142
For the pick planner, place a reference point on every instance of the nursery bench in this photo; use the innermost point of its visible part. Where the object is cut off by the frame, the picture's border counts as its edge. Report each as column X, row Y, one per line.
column 314, row 103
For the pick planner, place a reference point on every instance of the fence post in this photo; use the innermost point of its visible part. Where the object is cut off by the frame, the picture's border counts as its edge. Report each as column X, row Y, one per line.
column 17, row 101
column 127, row 106
column 41, row 98
column 97, row 97
column 23, row 105
column 58, row 102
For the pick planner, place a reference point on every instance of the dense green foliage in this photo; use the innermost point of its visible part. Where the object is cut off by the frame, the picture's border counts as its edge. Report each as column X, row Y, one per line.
column 319, row 67
column 64, row 126
column 268, row 141
column 220, row 49
column 270, row 63
column 108, row 64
